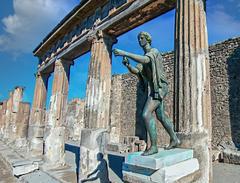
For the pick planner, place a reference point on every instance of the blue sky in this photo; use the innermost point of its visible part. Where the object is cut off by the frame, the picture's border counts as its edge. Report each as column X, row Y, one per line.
column 24, row 23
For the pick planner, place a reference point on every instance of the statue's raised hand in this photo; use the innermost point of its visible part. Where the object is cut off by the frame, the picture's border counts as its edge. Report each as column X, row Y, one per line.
column 125, row 61
column 118, row 52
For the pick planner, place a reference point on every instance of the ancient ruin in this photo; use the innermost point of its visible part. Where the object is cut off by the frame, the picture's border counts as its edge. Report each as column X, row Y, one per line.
column 109, row 119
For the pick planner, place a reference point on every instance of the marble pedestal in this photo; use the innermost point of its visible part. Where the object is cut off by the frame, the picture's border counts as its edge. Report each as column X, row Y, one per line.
column 166, row 166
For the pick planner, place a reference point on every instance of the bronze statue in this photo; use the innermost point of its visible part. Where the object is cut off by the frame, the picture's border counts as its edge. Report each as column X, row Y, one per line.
column 151, row 72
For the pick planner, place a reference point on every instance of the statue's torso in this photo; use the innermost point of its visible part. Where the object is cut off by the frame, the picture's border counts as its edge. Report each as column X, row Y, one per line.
column 148, row 72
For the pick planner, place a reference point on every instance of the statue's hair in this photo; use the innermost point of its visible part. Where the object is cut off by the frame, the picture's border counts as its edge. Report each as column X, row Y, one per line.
column 147, row 36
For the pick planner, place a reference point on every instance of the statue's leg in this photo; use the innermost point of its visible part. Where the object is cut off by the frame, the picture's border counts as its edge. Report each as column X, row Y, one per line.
column 167, row 124
column 150, row 123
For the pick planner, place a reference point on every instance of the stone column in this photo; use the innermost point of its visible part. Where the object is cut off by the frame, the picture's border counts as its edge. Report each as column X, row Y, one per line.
column 22, row 123
column 37, row 116
column 17, row 98
column 99, row 82
column 192, row 110
column 55, row 130
column 8, row 116
column 3, row 118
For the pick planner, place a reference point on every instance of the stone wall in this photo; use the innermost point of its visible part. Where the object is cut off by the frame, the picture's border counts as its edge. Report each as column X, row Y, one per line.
column 225, row 89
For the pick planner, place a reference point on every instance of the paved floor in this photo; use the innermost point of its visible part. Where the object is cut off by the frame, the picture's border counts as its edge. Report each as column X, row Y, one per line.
column 222, row 173
column 5, row 174
column 226, row 173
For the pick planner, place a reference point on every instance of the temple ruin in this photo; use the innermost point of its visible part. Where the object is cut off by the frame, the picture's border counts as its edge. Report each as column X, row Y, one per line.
column 108, row 120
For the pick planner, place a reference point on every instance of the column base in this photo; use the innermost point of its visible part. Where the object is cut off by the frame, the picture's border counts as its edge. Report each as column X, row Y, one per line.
column 92, row 142
column 36, row 147
column 200, row 143
column 55, row 148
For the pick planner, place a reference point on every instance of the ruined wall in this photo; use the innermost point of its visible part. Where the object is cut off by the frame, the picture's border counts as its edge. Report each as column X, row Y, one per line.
column 14, row 118
column 225, row 89
column 75, row 119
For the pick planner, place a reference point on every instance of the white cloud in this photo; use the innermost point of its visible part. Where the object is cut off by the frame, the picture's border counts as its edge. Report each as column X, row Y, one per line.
column 31, row 22
column 221, row 25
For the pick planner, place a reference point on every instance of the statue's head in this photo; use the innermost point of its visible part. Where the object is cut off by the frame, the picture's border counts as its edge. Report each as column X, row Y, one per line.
column 144, row 38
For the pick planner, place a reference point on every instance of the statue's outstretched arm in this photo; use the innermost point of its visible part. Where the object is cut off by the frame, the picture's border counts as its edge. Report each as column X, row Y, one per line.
column 135, row 57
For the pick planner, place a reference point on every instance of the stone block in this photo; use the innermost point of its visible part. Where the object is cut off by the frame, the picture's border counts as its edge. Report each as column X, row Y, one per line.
column 54, row 147
column 24, row 167
column 21, row 170
column 176, row 171
column 160, row 160
column 167, row 174
column 231, row 156
column 92, row 142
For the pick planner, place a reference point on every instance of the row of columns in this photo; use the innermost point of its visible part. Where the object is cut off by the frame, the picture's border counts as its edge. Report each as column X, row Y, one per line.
column 47, row 134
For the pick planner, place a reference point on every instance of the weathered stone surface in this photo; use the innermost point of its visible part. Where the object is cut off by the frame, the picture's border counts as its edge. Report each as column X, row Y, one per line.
column 99, row 82
column 15, row 97
column 75, row 119
column 55, row 129
column 3, row 108
column 22, row 121
column 92, row 142
column 24, row 168
column 231, row 156
column 224, row 67
column 55, row 148
column 14, row 118
column 37, row 117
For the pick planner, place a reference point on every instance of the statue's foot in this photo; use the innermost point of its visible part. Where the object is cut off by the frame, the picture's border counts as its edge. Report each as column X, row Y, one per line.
column 150, row 151
column 173, row 143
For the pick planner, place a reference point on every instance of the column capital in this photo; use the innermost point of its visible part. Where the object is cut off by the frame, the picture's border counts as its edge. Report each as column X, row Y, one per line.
column 63, row 61
column 101, row 36
column 44, row 75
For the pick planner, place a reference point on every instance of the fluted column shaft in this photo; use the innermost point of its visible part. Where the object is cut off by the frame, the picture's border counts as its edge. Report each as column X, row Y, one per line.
column 192, row 110
column 37, row 115
column 192, row 89
column 99, row 82
column 55, row 131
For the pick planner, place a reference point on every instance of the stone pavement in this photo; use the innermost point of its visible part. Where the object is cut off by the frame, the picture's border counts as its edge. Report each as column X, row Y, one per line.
column 222, row 172
column 6, row 174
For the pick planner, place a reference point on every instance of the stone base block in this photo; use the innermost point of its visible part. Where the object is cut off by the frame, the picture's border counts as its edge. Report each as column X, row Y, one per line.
column 164, row 167
column 92, row 142
column 36, row 147
column 165, row 175
column 24, row 167
column 162, row 159
column 55, row 148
